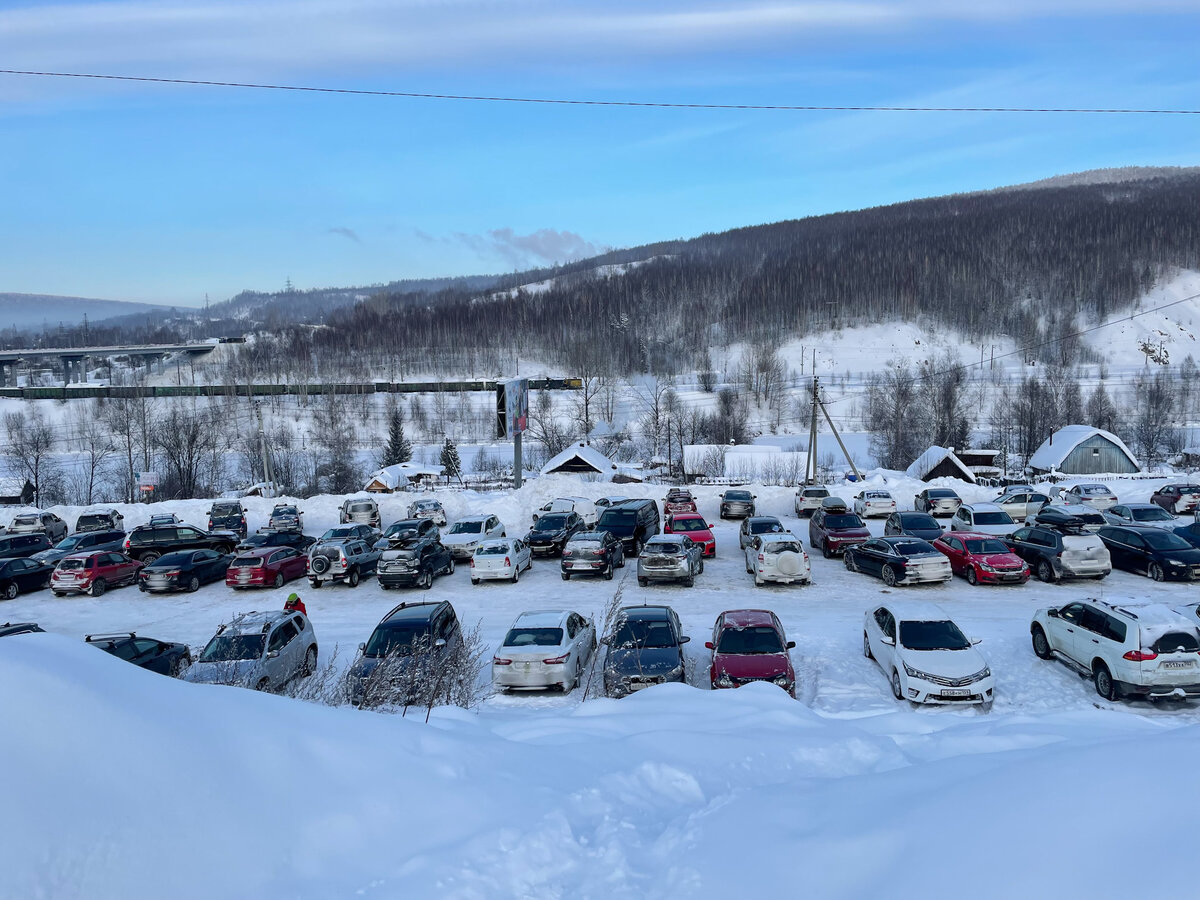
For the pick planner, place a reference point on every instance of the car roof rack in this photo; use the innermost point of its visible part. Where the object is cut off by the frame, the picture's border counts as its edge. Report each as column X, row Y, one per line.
column 115, row 634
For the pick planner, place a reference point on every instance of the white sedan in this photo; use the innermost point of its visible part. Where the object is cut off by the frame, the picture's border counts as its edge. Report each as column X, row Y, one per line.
column 543, row 649
column 501, row 559
column 925, row 656
column 467, row 534
column 874, row 503
column 778, row 557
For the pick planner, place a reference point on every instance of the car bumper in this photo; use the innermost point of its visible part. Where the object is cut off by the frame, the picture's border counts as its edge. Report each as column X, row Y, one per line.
column 157, row 585
column 779, row 578
column 73, row 587
column 247, row 582
column 673, row 573
column 1158, row 691
column 920, row 691
column 461, row 552
column 930, row 576
column 545, row 549
column 948, row 509
column 838, row 546
column 406, row 578
column 737, row 511
column 1019, row 576
column 536, row 676
column 873, row 511
column 1084, row 569
column 623, row 687
column 504, row 573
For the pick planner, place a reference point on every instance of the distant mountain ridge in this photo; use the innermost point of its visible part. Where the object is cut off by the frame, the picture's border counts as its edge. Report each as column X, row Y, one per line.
column 33, row 311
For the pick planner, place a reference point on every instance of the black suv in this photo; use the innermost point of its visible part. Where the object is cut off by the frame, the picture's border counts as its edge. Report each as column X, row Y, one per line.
column 551, row 532
column 645, row 648
column 82, row 542
column 633, row 521
column 164, row 657
column 595, row 552
column 228, row 515
column 416, row 642
column 294, row 539
column 8, row 629
column 23, row 544
column 147, row 543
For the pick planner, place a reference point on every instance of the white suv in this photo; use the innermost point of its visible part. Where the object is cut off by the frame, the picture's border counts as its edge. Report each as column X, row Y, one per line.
column 1140, row 650
column 808, row 499
column 874, row 503
column 777, row 557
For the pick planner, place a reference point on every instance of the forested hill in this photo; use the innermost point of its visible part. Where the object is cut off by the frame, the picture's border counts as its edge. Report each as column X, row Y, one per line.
column 1030, row 262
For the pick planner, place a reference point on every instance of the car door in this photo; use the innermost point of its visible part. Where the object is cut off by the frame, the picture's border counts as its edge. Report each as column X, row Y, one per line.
column 20, row 571
column 1021, row 545
column 1091, row 637
column 957, row 552
column 884, row 627
column 280, row 667
column 290, row 562
column 1137, row 553
column 1122, row 550
column 874, row 557
column 1063, row 629
column 124, row 569
column 149, row 654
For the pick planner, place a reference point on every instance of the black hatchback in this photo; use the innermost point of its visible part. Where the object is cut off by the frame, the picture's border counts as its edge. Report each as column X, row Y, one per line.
column 164, row 657
column 1156, row 552
column 915, row 524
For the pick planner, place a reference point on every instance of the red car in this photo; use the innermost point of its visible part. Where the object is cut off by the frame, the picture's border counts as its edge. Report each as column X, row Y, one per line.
column 749, row 645
column 679, row 501
column 693, row 525
column 92, row 573
column 982, row 558
column 266, row 567
column 834, row 528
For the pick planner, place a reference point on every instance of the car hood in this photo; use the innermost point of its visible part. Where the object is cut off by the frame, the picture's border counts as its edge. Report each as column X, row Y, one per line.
column 1190, row 556
column 950, row 663
column 1000, row 560
column 925, row 534
column 752, row 665
column 650, row 661
column 472, row 538
column 50, row 556
column 700, row 535
column 848, row 532
column 236, row 672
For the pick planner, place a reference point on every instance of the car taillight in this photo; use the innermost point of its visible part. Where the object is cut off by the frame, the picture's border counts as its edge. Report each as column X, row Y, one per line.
column 342, row 563
column 1140, row 655
column 568, row 553
column 472, row 562
column 761, row 558
column 174, row 573
column 557, row 661
column 126, row 543
column 210, row 524
column 507, row 561
column 497, row 661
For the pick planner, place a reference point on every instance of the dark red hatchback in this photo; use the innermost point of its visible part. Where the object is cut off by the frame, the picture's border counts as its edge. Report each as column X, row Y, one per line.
column 749, row 645
column 266, row 567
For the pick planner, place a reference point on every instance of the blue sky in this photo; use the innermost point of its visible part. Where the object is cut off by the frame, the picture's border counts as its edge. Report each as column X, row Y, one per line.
column 165, row 193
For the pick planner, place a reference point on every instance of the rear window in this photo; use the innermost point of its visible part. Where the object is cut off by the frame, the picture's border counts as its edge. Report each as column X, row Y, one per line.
column 226, row 509
column 360, row 507
column 492, row 550
column 942, row 495
column 247, row 562
column 816, row 492
column 68, row 564
column 1177, row 642
column 993, row 518
column 91, row 521
column 781, row 547
column 533, row 637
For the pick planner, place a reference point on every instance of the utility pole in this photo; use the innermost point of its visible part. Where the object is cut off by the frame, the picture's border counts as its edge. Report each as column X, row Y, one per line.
column 810, row 464
column 262, row 443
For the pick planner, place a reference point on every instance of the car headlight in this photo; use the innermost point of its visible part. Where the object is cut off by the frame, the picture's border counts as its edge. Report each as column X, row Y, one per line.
column 724, row 680
column 986, row 567
column 783, row 681
column 986, row 672
column 1174, row 563
column 916, row 673
column 675, row 674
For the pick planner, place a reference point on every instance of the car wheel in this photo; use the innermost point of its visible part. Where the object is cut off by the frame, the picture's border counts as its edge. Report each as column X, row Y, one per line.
column 566, row 576
column 181, row 663
column 10, row 591
column 98, row 587
column 972, row 578
column 608, row 573
column 1105, row 686
column 59, row 594
column 450, row 566
column 278, row 579
column 149, row 557
column 427, row 580
column 826, row 552
column 700, row 571
column 690, row 581
column 897, row 688
column 1041, row 644
column 1045, row 571
column 352, row 578
column 1156, row 572
column 263, row 684
column 638, row 548
column 193, row 585
column 310, row 662
column 867, row 647
column 642, row 582
column 316, row 583
column 475, row 581
column 758, row 582
column 224, row 548
column 889, row 576
column 851, row 565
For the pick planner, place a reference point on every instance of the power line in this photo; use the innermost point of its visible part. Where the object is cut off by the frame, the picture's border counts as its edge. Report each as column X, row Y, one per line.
column 644, row 104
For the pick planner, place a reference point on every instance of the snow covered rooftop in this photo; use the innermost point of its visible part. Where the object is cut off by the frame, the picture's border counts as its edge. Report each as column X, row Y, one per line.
column 932, row 458
column 1058, row 446
column 580, row 455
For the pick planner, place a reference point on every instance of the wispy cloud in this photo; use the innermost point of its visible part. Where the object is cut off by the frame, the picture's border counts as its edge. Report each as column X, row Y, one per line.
column 542, row 247
column 348, row 233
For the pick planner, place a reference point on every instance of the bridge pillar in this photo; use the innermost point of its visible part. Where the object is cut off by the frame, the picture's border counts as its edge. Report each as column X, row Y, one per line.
column 4, row 369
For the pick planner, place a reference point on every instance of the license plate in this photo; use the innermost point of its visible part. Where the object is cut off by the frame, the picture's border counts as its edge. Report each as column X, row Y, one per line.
column 1178, row 664
column 956, row 692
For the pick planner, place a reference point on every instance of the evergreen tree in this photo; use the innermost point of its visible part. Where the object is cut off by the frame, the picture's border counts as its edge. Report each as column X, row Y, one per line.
column 398, row 448
column 450, row 460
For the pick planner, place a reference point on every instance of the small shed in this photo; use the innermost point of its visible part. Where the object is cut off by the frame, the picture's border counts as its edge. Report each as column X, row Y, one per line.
column 387, row 480
column 1083, row 450
column 940, row 462
column 16, row 492
column 581, row 459
column 981, row 462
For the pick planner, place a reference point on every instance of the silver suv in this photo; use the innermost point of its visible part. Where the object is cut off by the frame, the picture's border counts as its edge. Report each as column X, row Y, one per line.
column 670, row 557
column 360, row 511
column 346, row 561
column 262, row 650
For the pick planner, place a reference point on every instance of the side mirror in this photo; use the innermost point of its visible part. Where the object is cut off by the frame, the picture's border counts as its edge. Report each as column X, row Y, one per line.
column 439, row 643
column 605, row 640
column 362, row 648
column 890, row 641
column 273, row 654
column 976, row 641
column 791, row 645
column 1052, row 613
column 684, row 639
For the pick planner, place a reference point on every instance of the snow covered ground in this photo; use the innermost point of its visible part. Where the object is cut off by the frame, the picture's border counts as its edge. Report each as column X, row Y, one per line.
column 125, row 784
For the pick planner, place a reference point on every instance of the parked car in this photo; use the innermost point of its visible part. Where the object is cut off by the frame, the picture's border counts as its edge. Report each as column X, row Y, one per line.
column 46, row 523
column 99, row 520
column 427, row 508
column 605, row 502
column 1177, row 499
column 1159, row 554
column 737, row 504
column 22, row 545
column 286, row 517
column 694, row 526
column 340, row 533
column 592, row 553
column 1098, row 496
column 808, row 499
column 501, row 559
column 266, row 567
column 832, row 531
column 937, row 502
column 20, row 575
column 678, row 500
column 1053, row 554
column 346, row 561
column 1020, row 504
column 544, row 649
column 1190, row 533
column 409, row 531
column 982, row 558
column 165, row 519
column 914, row 524
column 8, row 629
column 264, row 539
column 163, row 657
column 414, row 563
column 749, row 645
column 81, row 541
column 983, row 518
column 466, row 534
column 874, row 503
column 228, row 515
column 262, row 650
column 551, row 532
column 93, row 573
column 673, row 557
column 413, row 642
column 183, row 570
column 632, row 521
column 755, row 525
column 1128, row 650
column 585, row 509
column 779, row 558
column 645, row 648
column 360, row 511
column 899, row 560
column 1071, row 516
column 1149, row 514
column 925, row 655
column 146, row 543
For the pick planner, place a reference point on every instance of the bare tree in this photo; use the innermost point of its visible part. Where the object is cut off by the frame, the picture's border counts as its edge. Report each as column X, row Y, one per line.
column 31, row 440
column 185, row 439
column 95, row 441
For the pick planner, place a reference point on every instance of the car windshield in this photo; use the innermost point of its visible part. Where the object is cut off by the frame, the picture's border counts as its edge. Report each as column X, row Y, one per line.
column 763, row 526
column 396, row 640
column 68, row 564
column 754, row 639
column 248, row 562
column 226, row 509
column 643, row 634
column 1165, row 540
column 87, row 521
column 843, row 520
column 781, row 547
column 335, row 534
column 619, row 516
column 943, row 635
column 69, row 543
column 913, row 548
column 229, row 647
column 988, row 546
column 533, row 637
column 1151, row 514
column 993, row 518
column 492, row 550
column 554, row 522
column 920, row 520
column 942, row 495
column 688, row 523
column 466, row 528
column 737, row 495
column 172, row 559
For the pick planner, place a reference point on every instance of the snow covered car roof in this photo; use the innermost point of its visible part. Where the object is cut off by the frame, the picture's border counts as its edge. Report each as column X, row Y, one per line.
column 254, row 622
column 542, row 618
column 748, row 618
column 917, row 611
column 982, row 507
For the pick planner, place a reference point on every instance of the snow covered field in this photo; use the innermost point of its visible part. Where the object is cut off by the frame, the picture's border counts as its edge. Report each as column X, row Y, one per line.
column 120, row 783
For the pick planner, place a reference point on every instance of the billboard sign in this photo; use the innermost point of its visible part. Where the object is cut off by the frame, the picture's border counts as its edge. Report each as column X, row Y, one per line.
column 512, row 407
